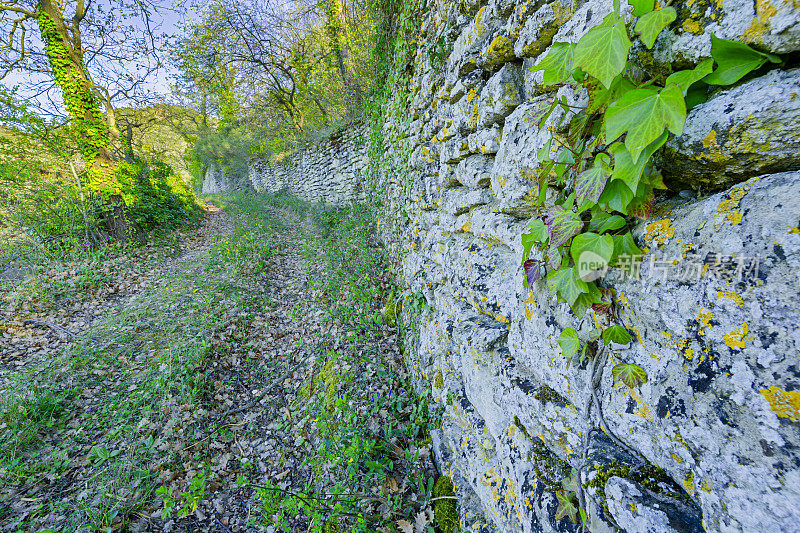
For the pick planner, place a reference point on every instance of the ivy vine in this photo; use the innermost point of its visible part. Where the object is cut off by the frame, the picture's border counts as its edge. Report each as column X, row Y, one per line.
column 603, row 173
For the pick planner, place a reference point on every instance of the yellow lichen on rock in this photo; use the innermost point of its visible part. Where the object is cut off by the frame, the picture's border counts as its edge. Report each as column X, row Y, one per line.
column 736, row 338
column 785, row 404
column 659, row 232
column 732, row 296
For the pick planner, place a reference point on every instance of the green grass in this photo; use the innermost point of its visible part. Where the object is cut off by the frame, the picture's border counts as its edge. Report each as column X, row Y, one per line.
column 99, row 409
column 119, row 417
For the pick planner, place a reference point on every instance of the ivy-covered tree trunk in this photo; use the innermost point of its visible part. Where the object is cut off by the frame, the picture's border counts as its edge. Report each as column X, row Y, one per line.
column 65, row 54
column 337, row 32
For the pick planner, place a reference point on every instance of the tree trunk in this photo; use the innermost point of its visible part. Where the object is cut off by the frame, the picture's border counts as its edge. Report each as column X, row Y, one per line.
column 63, row 51
column 336, row 30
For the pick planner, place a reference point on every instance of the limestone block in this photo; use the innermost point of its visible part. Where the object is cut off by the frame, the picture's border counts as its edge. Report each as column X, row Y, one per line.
column 465, row 113
column 742, row 132
column 475, row 171
column 512, row 174
column 497, row 50
column 454, row 150
column 772, row 26
column 466, row 84
column 501, row 95
column 485, row 141
column 461, row 200
column 465, row 49
column 718, row 412
column 638, row 510
column 540, row 28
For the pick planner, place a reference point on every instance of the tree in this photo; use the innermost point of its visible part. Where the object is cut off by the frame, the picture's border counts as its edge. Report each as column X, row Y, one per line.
column 71, row 37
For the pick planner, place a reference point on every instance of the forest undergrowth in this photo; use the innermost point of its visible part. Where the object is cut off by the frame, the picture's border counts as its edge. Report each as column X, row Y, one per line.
column 236, row 377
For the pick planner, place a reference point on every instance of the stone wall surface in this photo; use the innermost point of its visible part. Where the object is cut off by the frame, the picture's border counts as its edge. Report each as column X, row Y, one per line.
column 330, row 170
column 712, row 440
column 714, row 312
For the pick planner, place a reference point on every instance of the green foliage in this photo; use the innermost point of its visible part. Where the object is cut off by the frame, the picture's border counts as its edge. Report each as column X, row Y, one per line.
column 603, row 165
column 630, row 375
column 445, row 509
column 616, row 334
column 569, row 342
column 156, row 196
column 734, row 61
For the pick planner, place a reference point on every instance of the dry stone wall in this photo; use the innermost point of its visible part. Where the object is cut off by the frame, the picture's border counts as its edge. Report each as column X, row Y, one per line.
column 712, row 440
column 330, row 170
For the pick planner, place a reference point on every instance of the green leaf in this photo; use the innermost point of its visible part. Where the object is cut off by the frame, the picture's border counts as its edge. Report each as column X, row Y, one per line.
column 642, row 7
column 630, row 375
column 590, row 183
column 601, row 245
column 569, row 342
column 625, row 248
column 562, row 225
column 652, row 23
column 557, row 64
column 586, row 300
column 566, row 507
column 603, row 51
column 566, row 283
column 624, row 167
column 616, row 196
column 603, row 222
column 644, row 113
column 616, row 334
column 600, row 97
column 537, row 234
column 734, row 61
column 538, row 229
column 686, row 78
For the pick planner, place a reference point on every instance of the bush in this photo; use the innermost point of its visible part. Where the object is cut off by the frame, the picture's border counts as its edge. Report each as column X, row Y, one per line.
column 156, row 196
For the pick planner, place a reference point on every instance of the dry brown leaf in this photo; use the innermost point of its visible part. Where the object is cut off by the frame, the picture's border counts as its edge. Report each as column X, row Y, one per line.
column 422, row 520
column 405, row 526
column 391, row 485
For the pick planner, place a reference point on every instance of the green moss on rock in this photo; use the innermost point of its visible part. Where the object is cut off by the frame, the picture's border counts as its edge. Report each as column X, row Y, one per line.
column 445, row 509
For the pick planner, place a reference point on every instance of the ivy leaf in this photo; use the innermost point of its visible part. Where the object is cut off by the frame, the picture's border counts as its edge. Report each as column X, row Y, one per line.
column 630, row 375
column 734, row 61
column 652, row 23
column 566, row 507
column 566, row 283
column 644, row 113
column 605, row 303
column 616, row 196
column 603, row 51
column 554, row 258
column 590, row 183
column 585, row 301
column 557, row 64
column 625, row 249
column 686, row 78
column 603, row 222
column 600, row 97
column 569, row 342
column 532, row 272
column 617, row 335
column 538, row 230
column 537, row 234
column 642, row 7
column 601, row 245
column 562, row 225
column 624, row 167
column 643, row 205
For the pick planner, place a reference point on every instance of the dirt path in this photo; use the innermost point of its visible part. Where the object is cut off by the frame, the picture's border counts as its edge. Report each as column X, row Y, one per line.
column 198, row 404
